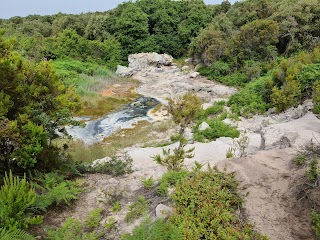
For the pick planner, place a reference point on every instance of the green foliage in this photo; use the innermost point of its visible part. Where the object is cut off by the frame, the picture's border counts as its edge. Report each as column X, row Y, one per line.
column 16, row 199
column 170, row 179
column 14, row 234
column 174, row 160
column 253, row 98
column 313, row 171
column 205, row 205
column 156, row 230
column 316, row 97
column 137, row 209
column 217, row 129
column 148, row 183
column 94, row 218
column 315, row 222
column 230, row 152
column 212, row 196
column 72, row 229
column 184, row 111
column 110, row 223
column 301, row 159
column 116, row 207
column 54, row 190
column 115, row 166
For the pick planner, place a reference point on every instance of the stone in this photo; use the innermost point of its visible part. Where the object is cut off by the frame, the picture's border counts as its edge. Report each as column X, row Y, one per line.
column 194, row 74
column 206, row 106
column 188, row 60
column 100, row 161
column 198, row 66
column 203, row 126
column 163, row 211
column 143, row 60
column 124, row 71
column 185, row 68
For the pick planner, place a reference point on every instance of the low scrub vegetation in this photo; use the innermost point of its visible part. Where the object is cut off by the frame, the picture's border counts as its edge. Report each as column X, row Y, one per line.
column 205, row 204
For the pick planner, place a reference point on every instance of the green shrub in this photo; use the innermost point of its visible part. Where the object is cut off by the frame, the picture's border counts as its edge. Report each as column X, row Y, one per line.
column 137, row 209
column 213, row 110
column 156, row 230
column 148, row 183
column 110, row 223
column 54, row 190
column 316, row 97
column 116, row 207
column 253, row 98
column 16, row 199
column 14, row 234
column 313, row 171
column 315, row 222
column 171, row 178
column 115, row 166
column 216, row 70
column 94, row 218
column 234, row 79
column 217, row 129
column 205, row 206
column 72, row 229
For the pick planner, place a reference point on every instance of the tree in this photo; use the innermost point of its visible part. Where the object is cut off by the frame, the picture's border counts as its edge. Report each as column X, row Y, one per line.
column 256, row 40
column 184, row 111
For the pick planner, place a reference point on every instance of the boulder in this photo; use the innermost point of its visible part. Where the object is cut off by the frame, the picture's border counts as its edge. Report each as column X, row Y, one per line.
column 144, row 60
column 194, row 74
column 163, row 211
column 203, row 126
column 185, row 68
column 124, row 71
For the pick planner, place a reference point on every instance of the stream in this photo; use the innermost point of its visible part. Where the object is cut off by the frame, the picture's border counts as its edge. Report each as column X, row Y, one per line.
column 95, row 131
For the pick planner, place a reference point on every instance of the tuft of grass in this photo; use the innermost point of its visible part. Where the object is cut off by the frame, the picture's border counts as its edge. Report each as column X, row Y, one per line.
column 94, row 218
column 116, row 207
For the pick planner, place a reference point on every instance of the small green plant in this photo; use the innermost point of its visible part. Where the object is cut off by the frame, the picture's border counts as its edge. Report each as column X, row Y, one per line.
column 243, row 143
column 301, row 159
column 313, row 172
column 110, row 224
column 315, row 222
column 230, row 152
column 94, row 218
column 148, row 183
column 184, row 111
column 116, row 207
column 137, row 209
column 73, row 229
column 174, row 160
column 16, row 199
column 14, row 234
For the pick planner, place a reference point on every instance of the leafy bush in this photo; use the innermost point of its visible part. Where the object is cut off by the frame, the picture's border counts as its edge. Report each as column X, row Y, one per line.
column 217, row 129
column 14, row 234
column 205, row 206
column 115, row 166
column 316, row 97
column 171, row 178
column 148, row 183
column 156, row 230
column 16, row 199
column 94, row 218
column 315, row 222
column 253, row 98
column 53, row 189
column 72, row 229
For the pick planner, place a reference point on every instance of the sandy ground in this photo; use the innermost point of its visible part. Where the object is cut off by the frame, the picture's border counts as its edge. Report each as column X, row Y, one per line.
column 266, row 174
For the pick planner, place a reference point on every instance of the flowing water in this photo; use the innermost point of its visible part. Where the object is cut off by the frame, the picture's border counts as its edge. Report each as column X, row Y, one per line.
column 95, row 131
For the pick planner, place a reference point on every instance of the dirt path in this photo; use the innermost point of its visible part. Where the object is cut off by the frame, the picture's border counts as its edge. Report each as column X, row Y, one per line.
column 268, row 178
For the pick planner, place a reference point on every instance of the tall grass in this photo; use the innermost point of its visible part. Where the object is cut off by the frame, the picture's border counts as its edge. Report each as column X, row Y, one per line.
column 88, row 79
